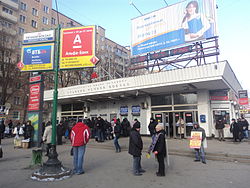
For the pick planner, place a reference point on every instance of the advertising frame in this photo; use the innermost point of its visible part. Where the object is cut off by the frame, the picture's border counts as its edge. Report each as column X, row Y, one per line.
column 74, row 55
column 160, row 30
column 41, row 66
column 39, row 37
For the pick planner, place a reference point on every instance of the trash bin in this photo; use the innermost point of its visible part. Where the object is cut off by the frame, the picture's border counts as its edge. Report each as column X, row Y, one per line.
column 37, row 157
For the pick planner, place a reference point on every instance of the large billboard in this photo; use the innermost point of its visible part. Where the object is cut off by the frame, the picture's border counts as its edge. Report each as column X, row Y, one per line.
column 178, row 24
column 77, row 47
column 37, row 57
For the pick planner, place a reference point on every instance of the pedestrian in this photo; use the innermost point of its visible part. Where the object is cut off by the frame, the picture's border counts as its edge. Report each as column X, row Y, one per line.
column 117, row 132
column 200, row 153
column 100, row 129
column 235, row 130
column 135, row 148
column 151, row 126
column 158, row 147
column 181, row 127
column 79, row 137
column 244, row 124
column 47, row 136
column 2, row 129
column 28, row 132
column 60, row 133
column 220, row 125
column 125, row 127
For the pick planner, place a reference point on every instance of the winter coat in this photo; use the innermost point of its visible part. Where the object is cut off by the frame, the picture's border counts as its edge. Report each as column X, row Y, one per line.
column 60, row 130
column 117, row 130
column 135, row 143
column 2, row 127
column 28, row 131
column 244, row 124
column 219, row 124
column 160, row 145
column 151, row 127
column 47, row 135
column 80, row 134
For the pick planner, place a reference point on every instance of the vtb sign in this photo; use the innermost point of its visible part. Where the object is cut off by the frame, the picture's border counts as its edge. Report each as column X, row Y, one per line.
column 77, row 48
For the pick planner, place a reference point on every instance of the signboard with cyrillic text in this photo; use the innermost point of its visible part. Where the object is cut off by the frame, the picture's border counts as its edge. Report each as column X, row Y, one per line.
column 78, row 48
column 39, row 37
column 37, row 57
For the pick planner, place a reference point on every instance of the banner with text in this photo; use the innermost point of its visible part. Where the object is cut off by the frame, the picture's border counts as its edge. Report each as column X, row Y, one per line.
column 78, row 48
column 181, row 23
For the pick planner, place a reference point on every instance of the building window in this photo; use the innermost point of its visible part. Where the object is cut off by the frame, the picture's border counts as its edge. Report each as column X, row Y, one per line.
column 17, row 101
column 7, row 10
column 23, row 6
column 53, row 21
column 34, row 12
column 185, row 98
column 6, row 24
column 46, row 9
column 22, row 19
column 34, row 23
column 16, row 115
column 20, row 31
column 45, row 21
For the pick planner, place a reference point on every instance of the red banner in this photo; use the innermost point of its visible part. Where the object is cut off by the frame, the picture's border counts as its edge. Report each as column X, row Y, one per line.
column 34, row 97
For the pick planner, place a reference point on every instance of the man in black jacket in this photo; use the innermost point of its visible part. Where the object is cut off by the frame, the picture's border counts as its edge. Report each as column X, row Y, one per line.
column 135, row 148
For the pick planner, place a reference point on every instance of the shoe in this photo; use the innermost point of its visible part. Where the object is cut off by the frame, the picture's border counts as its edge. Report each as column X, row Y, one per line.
column 158, row 174
column 137, row 174
column 79, row 173
column 204, row 162
column 142, row 171
column 197, row 160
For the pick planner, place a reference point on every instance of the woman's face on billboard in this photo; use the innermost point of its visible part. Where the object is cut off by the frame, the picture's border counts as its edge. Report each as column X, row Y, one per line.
column 191, row 9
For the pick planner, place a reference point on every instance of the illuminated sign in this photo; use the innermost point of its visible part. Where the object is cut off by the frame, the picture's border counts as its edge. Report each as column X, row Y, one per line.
column 78, row 48
column 123, row 110
column 34, row 97
column 178, row 24
column 136, row 110
column 37, row 57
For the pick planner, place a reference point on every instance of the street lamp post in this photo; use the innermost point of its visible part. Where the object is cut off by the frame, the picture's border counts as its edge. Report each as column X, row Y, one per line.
column 52, row 169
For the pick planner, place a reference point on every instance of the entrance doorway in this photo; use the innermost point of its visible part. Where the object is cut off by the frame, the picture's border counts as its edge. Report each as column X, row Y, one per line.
column 171, row 122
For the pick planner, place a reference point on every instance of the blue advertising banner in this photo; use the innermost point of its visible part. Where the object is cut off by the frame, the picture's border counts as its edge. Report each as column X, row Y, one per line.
column 174, row 25
column 37, row 57
column 136, row 110
column 124, row 110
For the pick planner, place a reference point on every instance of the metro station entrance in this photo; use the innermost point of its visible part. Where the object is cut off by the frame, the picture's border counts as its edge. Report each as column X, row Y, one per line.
column 173, row 123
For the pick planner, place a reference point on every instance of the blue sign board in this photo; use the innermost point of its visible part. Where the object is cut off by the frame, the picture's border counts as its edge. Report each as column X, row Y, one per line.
column 38, row 57
column 123, row 110
column 136, row 110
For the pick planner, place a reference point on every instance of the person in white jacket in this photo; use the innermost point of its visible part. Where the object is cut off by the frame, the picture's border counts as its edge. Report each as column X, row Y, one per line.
column 47, row 136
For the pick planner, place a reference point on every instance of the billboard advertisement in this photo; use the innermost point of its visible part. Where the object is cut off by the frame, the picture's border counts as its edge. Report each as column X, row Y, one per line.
column 178, row 24
column 243, row 97
column 37, row 57
column 34, row 97
column 39, row 37
column 77, row 47
column 34, row 117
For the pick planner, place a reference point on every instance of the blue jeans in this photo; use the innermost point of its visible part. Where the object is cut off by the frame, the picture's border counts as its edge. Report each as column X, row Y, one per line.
column 78, row 152
column 117, row 146
column 100, row 135
column 245, row 133
column 200, row 153
column 136, row 164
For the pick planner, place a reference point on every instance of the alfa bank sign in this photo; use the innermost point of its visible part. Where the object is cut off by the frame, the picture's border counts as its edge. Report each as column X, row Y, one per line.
column 77, row 47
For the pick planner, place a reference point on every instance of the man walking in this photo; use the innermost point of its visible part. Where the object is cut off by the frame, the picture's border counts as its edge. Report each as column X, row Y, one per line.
column 135, row 148
column 220, row 125
column 79, row 137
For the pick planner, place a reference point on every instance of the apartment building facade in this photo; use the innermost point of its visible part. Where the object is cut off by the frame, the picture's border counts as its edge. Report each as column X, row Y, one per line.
column 25, row 16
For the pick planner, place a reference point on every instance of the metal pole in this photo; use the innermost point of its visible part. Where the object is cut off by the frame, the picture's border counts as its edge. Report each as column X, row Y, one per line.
column 54, row 112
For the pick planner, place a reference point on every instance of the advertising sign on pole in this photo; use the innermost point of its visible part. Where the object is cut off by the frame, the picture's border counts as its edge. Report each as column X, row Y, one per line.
column 39, row 37
column 34, row 118
column 37, row 57
column 181, row 23
column 78, row 48
column 243, row 97
column 34, row 97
